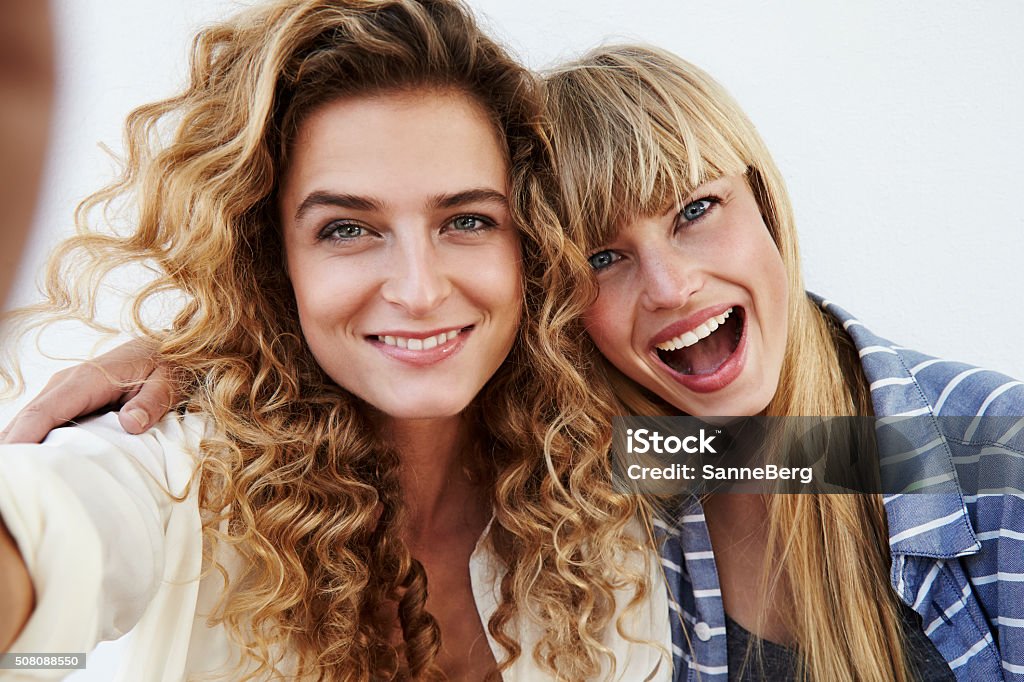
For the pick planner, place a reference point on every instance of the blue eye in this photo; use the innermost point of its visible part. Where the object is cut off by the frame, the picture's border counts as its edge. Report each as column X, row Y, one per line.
column 695, row 209
column 602, row 259
column 470, row 223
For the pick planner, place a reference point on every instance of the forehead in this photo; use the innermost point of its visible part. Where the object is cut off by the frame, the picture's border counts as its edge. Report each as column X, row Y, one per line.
column 396, row 146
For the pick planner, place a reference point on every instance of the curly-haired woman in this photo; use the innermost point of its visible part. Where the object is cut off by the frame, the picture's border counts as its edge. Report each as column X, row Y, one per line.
column 383, row 382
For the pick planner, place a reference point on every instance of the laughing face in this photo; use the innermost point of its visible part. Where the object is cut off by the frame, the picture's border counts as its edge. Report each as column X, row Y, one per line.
column 401, row 249
column 693, row 303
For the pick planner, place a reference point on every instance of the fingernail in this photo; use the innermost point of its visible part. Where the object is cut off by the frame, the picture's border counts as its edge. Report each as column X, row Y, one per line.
column 140, row 416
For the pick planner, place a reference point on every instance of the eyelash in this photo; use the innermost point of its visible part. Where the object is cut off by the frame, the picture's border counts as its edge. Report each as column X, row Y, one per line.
column 485, row 223
column 329, row 231
column 681, row 222
column 711, row 199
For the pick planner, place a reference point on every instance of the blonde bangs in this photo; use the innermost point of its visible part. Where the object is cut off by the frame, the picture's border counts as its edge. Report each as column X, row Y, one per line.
column 636, row 130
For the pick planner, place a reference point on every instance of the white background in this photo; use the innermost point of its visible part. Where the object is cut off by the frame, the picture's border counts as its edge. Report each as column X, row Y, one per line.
column 897, row 126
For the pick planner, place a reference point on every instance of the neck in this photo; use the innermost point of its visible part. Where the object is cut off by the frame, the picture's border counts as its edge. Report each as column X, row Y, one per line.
column 438, row 494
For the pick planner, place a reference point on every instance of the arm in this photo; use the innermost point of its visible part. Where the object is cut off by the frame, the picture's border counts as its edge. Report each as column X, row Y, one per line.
column 129, row 374
column 16, row 595
column 99, row 532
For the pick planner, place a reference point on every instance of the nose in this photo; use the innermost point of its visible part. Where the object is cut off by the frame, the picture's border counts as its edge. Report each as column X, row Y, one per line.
column 417, row 281
column 669, row 279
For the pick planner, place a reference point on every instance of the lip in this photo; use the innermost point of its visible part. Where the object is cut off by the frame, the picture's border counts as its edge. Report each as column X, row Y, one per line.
column 721, row 377
column 689, row 323
column 421, row 358
column 425, row 334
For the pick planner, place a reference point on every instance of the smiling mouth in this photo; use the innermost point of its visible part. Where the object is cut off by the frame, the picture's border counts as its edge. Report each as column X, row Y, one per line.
column 421, row 344
column 703, row 350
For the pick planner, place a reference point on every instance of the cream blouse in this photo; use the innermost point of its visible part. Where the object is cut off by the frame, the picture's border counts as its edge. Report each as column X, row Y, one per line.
column 109, row 550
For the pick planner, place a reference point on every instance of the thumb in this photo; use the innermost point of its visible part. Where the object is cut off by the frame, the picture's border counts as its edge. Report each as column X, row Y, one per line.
column 134, row 418
column 150, row 404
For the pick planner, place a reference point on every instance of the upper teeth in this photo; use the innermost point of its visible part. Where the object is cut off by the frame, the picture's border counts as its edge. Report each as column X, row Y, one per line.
column 691, row 337
column 420, row 344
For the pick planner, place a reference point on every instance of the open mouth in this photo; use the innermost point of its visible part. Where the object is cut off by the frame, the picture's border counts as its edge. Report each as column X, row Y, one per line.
column 701, row 351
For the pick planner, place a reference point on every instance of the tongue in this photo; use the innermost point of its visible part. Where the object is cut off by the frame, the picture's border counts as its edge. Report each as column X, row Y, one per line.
column 705, row 356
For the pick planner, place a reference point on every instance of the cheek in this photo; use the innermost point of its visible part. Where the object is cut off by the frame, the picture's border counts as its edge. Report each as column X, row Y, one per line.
column 509, row 312
column 506, row 306
column 496, row 282
column 769, row 284
column 778, row 280
column 778, row 290
column 508, row 285
column 772, row 282
column 750, row 256
column 608, row 325
column 326, row 297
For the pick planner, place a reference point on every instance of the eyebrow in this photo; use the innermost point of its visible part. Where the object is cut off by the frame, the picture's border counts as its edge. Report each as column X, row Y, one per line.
column 321, row 198
column 359, row 203
column 469, row 196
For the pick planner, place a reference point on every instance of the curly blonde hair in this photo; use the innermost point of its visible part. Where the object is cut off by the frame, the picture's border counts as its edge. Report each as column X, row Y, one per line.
column 299, row 482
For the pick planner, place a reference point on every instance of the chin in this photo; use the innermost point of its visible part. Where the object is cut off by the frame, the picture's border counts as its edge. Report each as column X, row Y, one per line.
column 752, row 408
column 427, row 407
column 745, row 402
column 754, row 402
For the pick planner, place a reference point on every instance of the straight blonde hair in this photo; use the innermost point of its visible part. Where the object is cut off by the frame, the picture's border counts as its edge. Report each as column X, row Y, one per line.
column 635, row 128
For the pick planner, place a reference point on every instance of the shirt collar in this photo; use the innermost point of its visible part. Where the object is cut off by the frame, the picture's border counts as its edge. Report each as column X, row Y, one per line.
column 924, row 524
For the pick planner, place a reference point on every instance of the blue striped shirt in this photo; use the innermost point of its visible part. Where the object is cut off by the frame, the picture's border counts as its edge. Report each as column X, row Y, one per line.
column 957, row 559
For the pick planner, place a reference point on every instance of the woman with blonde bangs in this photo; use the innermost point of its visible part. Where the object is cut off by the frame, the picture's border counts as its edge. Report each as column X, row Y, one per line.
column 702, row 311
column 386, row 463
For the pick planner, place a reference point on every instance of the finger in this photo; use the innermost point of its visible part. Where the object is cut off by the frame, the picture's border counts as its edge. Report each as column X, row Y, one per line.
column 134, row 420
column 70, row 393
column 37, row 419
column 150, row 404
column 62, row 400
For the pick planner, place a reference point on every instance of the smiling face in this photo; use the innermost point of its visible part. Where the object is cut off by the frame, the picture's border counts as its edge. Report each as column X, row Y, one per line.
column 401, row 250
column 693, row 303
